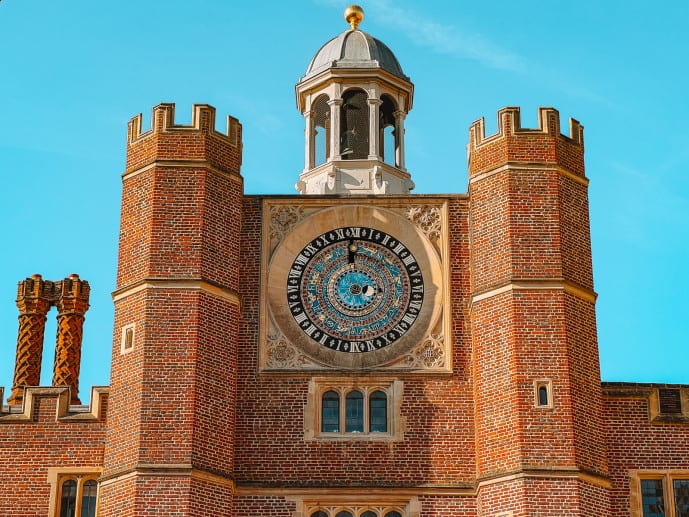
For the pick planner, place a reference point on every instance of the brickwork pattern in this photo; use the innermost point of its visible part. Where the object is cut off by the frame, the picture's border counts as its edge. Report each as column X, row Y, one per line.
column 72, row 304
column 29, row 448
column 636, row 443
column 538, row 497
column 27, row 371
column 249, row 506
column 34, row 297
column 447, row 506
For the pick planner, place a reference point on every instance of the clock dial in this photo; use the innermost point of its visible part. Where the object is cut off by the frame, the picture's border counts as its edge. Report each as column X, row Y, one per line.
column 355, row 289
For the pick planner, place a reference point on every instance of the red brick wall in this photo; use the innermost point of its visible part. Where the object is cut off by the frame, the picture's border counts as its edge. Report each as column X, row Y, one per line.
column 29, row 448
column 636, row 443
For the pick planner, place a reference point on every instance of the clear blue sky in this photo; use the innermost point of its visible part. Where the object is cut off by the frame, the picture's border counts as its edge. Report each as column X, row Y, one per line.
column 73, row 73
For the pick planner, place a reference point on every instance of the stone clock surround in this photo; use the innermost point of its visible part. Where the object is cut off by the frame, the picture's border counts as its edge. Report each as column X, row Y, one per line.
column 288, row 227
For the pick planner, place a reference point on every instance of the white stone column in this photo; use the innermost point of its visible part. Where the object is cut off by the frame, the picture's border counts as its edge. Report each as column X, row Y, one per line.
column 335, row 105
column 374, row 129
column 310, row 141
column 399, row 139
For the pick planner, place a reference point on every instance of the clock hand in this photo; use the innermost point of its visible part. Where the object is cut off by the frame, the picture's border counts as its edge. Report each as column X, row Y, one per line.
column 352, row 248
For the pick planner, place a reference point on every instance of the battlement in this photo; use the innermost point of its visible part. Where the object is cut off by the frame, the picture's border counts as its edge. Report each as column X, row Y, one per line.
column 35, row 409
column 202, row 119
column 513, row 143
column 199, row 140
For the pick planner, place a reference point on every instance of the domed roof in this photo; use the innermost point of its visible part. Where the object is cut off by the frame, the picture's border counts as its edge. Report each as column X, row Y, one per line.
column 355, row 49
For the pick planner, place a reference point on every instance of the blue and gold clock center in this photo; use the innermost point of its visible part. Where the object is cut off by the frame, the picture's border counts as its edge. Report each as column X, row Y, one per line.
column 356, row 289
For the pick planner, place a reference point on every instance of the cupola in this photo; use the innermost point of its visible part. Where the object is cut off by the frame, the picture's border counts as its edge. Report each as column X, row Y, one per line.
column 354, row 98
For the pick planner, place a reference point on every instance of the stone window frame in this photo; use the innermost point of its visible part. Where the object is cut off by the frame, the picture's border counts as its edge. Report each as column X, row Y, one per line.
column 355, row 510
column 539, row 384
column 380, row 504
column 667, row 477
column 393, row 388
column 128, row 330
column 58, row 475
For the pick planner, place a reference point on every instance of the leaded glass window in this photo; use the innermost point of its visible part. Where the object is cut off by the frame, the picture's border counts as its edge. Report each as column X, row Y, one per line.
column 88, row 498
column 378, row 412
column 652, row 498
column 330, row 412
column 68, row 498
column 354, row 412
column 681, row 490
column 542, row 395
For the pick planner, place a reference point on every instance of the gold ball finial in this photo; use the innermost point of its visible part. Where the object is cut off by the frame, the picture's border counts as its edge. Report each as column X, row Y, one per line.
column 353, row 16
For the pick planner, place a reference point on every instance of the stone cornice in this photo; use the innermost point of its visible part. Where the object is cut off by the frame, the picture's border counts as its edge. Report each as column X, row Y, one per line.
column 189, row 284
column 553, row 284
column 185, row 164
column 528, row 166
column 547, row 473
column 355, row 493
column 168, row 470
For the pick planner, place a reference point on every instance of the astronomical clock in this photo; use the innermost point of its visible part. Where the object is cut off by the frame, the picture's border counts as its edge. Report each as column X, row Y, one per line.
column 354, row 286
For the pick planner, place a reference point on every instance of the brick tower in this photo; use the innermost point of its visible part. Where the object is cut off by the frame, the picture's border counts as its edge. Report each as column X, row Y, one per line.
column 539, row 434
column 169, row 446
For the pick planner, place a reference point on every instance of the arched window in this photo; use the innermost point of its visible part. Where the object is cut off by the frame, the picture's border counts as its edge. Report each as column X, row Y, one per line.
column 319, row 514
column 393, row 514
column 388, row 134
column 378, row 412
column 354, row 125
column 542, row 395
column 74, row 494
column 354, row 412
column 68, row 498
column 369, row 513
column 321, row 128
column 88, row 498
column 330, row 412
column 344, row 513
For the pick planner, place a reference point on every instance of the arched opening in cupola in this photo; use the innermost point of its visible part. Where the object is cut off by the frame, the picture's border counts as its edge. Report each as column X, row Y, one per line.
column 321, row 130
column 354, row 124
column 389, row 142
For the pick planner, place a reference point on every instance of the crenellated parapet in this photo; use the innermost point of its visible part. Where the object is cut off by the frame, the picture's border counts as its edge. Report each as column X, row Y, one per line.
column 197, row 142
column 45, row 404
column 514, row 144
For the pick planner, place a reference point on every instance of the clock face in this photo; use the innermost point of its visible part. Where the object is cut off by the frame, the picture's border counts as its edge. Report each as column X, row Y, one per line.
column 355, row 289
